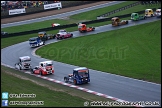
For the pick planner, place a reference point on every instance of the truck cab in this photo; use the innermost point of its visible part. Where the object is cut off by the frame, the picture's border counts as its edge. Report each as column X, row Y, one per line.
column 62, row 34
column 158, row 13
column 116, row 21
column 149, row 13
column 35, row 41
column 84, row 28
column 42, row 35
column 136, row 17
column 24, row 63
column 46, row 67
column 80, row 76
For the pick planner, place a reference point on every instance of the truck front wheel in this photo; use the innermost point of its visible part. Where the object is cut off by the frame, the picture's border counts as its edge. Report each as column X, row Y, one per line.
column 66, row 79
column 75, row 82
column 40, row 72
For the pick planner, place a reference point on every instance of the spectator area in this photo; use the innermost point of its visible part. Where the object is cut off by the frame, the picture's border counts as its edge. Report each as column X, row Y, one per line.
column 9, row 5
column 32, row 7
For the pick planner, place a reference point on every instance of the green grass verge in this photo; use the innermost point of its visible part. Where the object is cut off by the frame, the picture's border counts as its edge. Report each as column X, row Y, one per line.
column 8, row 81
column 92, row 15
column 133, row 52
column 53, row 94
column 80, row 17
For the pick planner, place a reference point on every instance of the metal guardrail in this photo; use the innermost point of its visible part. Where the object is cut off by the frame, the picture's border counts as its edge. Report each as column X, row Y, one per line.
column 118, row 10
column 68, row 25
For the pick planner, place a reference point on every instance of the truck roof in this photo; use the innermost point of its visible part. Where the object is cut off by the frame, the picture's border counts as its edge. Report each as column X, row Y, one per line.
column 80, row 68
column 148, row 9
column 158, row 10
column 41, row 32
column 63, row 30
column 115, row 18
column 134, row 13
column 33, row 38
column 82, row 24
column 48, row 62
column 24, row 58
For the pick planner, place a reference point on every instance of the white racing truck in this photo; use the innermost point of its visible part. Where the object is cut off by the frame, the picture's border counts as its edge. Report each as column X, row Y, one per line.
column 24, row 63
column 158, row 13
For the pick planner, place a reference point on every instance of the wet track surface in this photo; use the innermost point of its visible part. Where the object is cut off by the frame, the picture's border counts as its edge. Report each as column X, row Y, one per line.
column 60, row 15
column 117, row 86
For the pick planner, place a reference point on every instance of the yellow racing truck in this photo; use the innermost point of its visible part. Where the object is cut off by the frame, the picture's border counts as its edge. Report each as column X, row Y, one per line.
column 44, row 36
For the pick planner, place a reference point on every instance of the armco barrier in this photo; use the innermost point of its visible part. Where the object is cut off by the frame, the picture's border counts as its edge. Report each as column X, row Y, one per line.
column 39, row 30
column 117, row 10
column 69, row 25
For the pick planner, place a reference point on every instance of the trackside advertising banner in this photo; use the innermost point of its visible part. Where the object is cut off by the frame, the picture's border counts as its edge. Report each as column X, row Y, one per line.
column 16, row 11
column 53, row 5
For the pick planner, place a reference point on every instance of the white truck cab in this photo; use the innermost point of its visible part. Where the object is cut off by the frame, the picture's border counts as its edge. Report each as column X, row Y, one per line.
column 24, row 63
column 158, row 12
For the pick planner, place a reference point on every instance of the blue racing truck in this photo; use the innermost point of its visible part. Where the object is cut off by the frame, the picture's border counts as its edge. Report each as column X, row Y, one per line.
column 80, row 76
column 35, row 42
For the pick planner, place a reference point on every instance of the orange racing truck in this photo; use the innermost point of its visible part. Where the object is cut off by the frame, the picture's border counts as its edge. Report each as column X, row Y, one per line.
column 83, row 28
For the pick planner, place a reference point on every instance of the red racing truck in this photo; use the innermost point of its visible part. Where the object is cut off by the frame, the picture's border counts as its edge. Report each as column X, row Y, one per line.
column 44, row 68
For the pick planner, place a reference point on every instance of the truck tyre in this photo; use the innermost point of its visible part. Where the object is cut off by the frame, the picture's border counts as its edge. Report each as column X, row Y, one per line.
column 40, row 73
column 75, row 82
column 16, row 66
column 32, row 72
column 46, row 38
column 66, row 79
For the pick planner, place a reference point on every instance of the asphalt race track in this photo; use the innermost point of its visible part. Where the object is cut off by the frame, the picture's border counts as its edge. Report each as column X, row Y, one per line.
column 113, row 85
column 117, row 86
column 60, row 15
